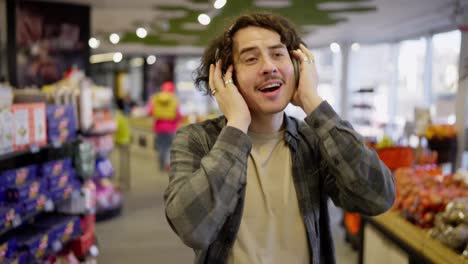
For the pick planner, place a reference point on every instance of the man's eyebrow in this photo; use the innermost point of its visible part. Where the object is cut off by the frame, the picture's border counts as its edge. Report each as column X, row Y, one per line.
column 248, row 49
column 277, row 46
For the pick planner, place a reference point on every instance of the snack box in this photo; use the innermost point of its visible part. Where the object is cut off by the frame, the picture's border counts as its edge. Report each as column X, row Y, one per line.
column 61, row 136
column 29, row 125
column 61, row 229
column 56, row 113
column 7, row 248
column 8, row 213
column 34, row 206
column 62, row 180
column 6, row 131
column 35, row 242
column 18, row 176
column 64, row 193
column 56, row 167
column 20, row 257
column 26, row 191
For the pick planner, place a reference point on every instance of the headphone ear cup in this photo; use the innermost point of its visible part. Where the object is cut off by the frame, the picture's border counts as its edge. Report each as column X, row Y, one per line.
column 296, row 70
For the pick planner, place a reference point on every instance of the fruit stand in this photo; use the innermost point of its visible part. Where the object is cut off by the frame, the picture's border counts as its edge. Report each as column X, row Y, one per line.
column 427, row 223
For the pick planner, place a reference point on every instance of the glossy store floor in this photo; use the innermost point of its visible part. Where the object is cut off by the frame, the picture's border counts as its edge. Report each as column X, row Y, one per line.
column 141, row 234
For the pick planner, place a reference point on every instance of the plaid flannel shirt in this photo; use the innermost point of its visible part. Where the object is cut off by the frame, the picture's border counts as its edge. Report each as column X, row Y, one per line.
column 205, row 196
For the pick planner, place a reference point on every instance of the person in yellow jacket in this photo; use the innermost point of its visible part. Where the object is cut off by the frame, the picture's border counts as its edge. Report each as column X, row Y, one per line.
column 164, row 108
column 122, row 138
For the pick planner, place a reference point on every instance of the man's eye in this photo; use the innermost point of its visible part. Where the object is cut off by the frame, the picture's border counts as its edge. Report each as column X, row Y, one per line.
column 250, row 60
column 279, row 54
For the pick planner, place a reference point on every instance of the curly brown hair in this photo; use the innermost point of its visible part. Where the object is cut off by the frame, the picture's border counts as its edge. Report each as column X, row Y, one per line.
column 222, row 46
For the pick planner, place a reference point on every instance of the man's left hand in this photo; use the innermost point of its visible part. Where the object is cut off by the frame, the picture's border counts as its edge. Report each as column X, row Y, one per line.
column 306, row 95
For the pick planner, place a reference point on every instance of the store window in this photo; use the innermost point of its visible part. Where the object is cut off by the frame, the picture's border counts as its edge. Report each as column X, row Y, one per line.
column 445, row 60
column 411, row 66
column 194, row 103
column 329, row 71
column 372, row 70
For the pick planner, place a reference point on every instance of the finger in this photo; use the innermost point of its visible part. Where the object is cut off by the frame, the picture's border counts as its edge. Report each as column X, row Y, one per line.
column 218, row 78
column 299, row 55
column 307, row 52
column 211, row 78
column 228, row 76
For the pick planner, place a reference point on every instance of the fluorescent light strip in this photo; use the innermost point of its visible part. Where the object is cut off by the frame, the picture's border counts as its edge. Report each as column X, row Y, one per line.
column 103, row 57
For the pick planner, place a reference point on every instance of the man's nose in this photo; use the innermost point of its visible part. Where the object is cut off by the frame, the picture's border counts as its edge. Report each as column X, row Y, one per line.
column 268, row 66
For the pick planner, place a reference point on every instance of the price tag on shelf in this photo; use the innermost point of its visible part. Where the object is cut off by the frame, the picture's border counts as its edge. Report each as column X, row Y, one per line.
column 16, row 221
column 34, row 148
column 49, row 206
column 56, row 144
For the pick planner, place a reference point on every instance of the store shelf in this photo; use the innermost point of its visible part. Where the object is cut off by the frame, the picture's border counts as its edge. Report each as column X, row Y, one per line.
column 36, row 155
column 413, row 240
column 110, row 213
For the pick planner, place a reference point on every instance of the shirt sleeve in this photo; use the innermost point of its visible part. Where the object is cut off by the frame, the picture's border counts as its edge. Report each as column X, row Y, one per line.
column 355, row 178
column 204, row 185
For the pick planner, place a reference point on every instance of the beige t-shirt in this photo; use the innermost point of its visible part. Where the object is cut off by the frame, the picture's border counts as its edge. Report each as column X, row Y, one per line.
column 271, row 229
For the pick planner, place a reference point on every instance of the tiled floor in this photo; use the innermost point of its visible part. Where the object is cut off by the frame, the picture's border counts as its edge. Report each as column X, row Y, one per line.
column 141, row 234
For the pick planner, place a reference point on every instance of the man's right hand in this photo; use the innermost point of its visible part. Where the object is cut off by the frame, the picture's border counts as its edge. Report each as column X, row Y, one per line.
column 229, row 99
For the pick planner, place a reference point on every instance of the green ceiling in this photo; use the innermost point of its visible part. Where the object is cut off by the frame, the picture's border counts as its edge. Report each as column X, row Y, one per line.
column 301, row 12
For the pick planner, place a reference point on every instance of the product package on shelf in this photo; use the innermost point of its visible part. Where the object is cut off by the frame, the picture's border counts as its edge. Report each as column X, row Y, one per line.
column 108, row 198
column 60, row 229
column 83, row 202
column 104, row 168
column 6, row 131
column 29, row 125
column 102, row 144
column 84, row 160
column 103, row 122
column 61, row 123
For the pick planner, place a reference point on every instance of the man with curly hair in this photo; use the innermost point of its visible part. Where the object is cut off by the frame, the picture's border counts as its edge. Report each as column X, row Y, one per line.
column 252, row 185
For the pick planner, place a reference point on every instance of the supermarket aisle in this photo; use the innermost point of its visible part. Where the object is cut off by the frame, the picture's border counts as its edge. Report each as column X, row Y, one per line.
column 141, row 234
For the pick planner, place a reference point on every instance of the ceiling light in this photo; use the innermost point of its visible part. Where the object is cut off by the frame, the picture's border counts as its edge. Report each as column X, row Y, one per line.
column 141, row 32
column 355, row 46
column 218, row 4
column 151, row 59
column 117, row 57
column 114, row 38
column 335, row 47
column 204, row 19
column 94, row 43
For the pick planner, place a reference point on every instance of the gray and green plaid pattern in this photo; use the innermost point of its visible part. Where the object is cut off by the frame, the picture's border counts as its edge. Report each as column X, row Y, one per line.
column 205, row 196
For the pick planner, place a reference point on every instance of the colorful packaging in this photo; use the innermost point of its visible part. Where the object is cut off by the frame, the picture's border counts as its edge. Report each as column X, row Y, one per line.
column 35, row 242
column 104, row 168
column 7, row 217
column 55, row 168
column 6, row 131
column 33, row 206
column 62, row 180
column 29, row 125
column 61, row 123
column 7, row 248
column 18, row 176
column 26, row 191
column 64, row 193
column 61, row 229
column 56, row 113
column 20, row 257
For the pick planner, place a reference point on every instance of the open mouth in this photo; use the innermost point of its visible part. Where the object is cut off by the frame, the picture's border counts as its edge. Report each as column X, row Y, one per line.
column 270, row 88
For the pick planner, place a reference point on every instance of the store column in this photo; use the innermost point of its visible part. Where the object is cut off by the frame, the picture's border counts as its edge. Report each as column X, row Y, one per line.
column 3, row 39
column 461, row 101
column 344, row 81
